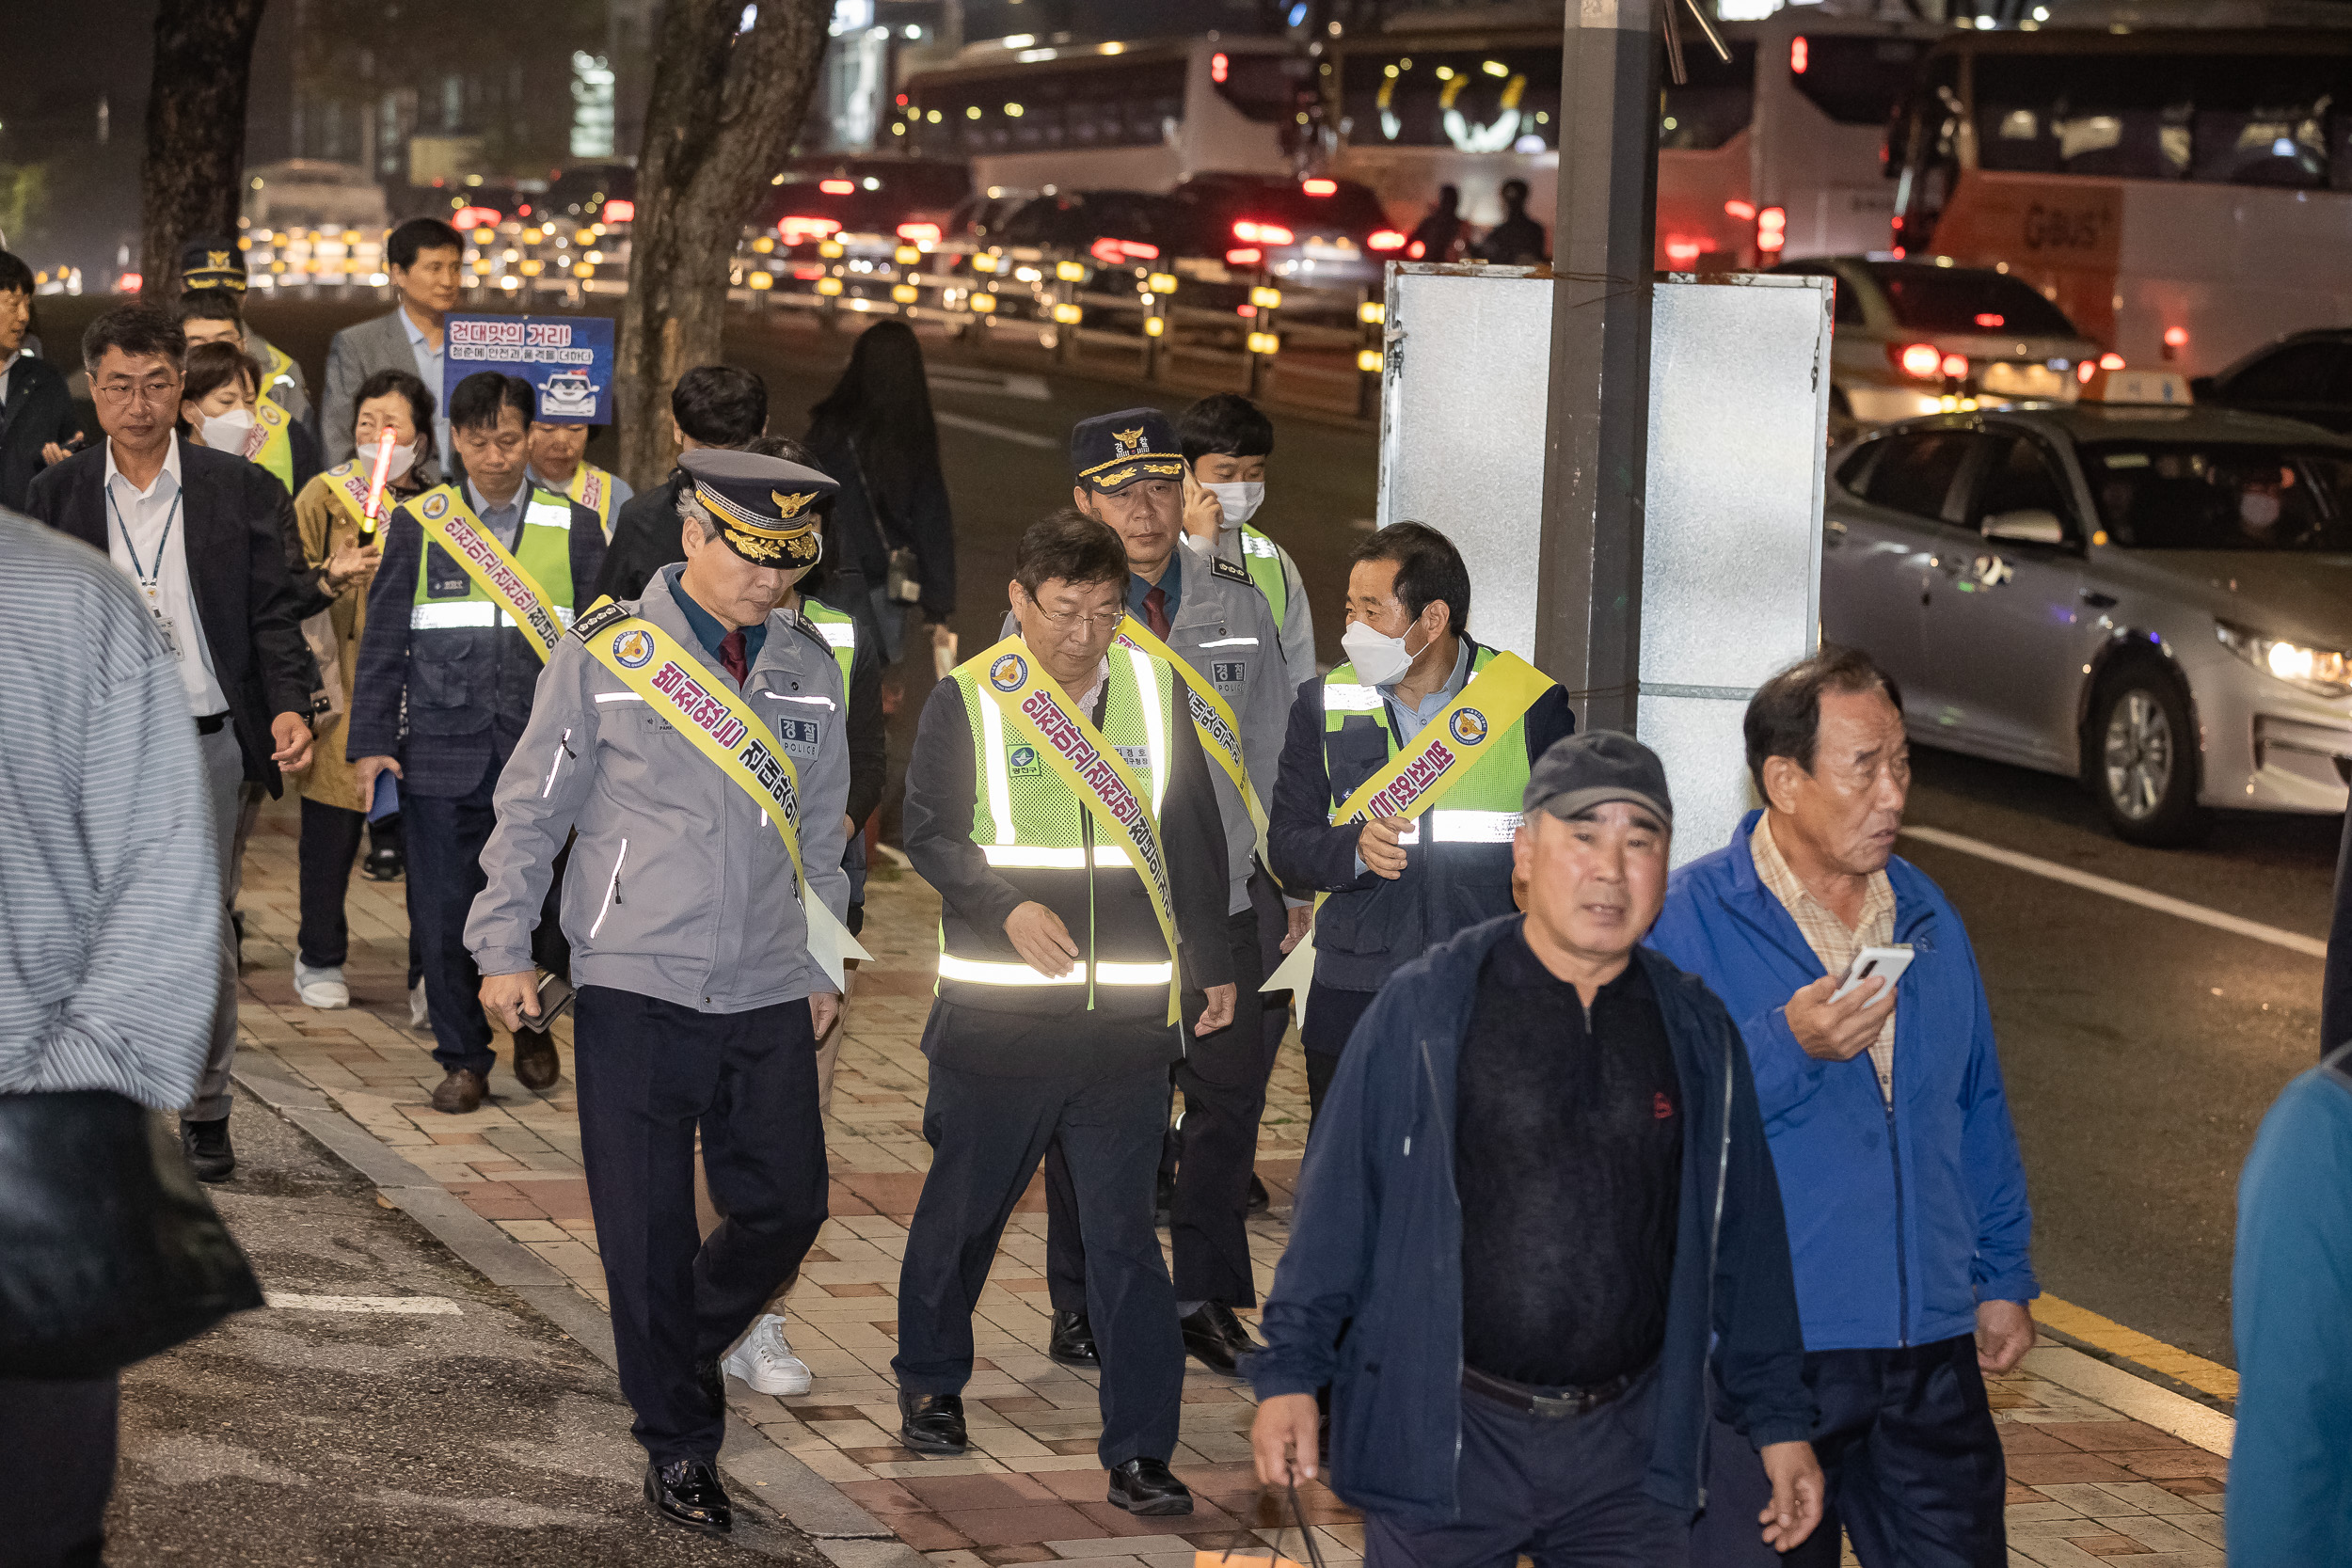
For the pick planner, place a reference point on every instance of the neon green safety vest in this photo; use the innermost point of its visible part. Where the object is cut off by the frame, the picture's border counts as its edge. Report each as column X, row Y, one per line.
column 545, row 551
column 1262, row 559
column 1481, row 808
column 1035, row 832
column 838, row 628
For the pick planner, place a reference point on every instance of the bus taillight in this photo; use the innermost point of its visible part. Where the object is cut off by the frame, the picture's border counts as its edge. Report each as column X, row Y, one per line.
column 1799, row 55
column 1924, row 361
column 1771, row 229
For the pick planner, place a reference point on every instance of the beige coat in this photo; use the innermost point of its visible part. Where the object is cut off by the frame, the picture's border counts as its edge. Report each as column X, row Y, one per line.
column 325, row 527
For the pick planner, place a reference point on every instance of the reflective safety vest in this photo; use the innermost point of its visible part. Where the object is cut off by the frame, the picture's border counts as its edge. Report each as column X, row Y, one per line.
column 1482, row 807
column 447, row 598
column 1035, row 832
column 593, row 488
column 1263, row 559
column 838, row 628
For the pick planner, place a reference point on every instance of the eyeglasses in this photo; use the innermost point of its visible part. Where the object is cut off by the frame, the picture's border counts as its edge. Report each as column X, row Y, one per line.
column 1064, row 620
column 151, row 390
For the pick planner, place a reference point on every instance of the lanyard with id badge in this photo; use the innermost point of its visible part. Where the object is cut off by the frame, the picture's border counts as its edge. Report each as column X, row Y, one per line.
column 151, row 582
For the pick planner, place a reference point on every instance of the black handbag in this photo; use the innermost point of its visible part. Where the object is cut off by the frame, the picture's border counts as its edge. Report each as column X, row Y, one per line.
column 109, row 1251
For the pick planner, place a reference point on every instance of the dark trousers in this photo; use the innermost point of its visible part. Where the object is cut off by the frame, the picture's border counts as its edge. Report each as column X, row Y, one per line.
column 652, row 1073
column 1213, row 1149
column 987, row 1137
column 1911, row 1454
column 1563, row 1490
column 445, row 839
column 57, row 1451
column 1333, row 1014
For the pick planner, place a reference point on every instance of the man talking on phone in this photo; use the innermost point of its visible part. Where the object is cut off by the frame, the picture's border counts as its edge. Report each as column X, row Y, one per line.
column 1884, row 1108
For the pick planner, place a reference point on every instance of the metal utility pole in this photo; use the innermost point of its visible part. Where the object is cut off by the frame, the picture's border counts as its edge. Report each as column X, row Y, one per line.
column 1588, row 606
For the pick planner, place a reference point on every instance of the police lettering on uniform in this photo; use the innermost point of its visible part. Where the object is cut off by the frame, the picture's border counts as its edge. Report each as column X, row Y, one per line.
column 1059, row 800
column 693, row 740
column 478, row 584
column 1210, row 620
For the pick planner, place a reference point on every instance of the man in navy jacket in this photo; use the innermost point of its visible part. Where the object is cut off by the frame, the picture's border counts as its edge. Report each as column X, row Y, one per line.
column 1907, row 1216
column 1538, row 1191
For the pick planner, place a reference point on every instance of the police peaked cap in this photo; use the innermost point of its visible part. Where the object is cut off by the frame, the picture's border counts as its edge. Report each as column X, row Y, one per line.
column 767, row 510
column 1111, row 451
column 214, row 264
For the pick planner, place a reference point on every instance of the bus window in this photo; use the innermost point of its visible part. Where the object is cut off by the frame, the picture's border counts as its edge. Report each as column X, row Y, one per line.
column 1855, row 79
column 1929, row 156
column 2121, row 117
column 1127, row 104
column 1714, row 106
column 1264, row 87
column 2263, row 121
column 1473, row 101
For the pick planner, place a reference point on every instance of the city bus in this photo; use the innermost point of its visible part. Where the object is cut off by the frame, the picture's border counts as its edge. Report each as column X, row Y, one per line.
column 1134, row 116
column 1774, row 153
column 2182, row 195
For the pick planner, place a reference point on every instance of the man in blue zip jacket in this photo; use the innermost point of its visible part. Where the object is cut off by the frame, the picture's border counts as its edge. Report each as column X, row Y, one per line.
column 1538, row 1189
column 1907, row 1216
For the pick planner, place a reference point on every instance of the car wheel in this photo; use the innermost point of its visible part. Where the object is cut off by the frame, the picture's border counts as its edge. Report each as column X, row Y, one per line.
column 2141, row 757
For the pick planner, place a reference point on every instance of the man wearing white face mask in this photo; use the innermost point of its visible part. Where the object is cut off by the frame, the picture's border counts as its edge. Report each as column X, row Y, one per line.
column 1227, row 441
column 1401, row 780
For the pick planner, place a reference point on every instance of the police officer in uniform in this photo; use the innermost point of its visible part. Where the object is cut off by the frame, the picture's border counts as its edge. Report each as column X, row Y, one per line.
column 441, row 647
column 1054, row 979
column 1128, row 473
column 213, row 270
column 700, row 999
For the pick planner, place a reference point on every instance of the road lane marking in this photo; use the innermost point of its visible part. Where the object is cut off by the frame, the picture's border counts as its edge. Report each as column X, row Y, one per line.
column 1006, row 383
column 1002, row 432
column 405, row 1307
column 2294, row 942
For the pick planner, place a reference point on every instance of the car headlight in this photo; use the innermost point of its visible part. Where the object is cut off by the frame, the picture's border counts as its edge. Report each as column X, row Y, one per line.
column 2325, row 671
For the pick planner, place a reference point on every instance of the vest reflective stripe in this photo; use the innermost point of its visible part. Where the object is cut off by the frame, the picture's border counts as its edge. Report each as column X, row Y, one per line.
column 837, row 634
column 1349, row 698
column 456, row 614
column 1108, row 974
column 1482, row 807
column 543, row 548
column 979, row 971
column 1154, row 732
column 839, row 631
column 1473, row 826
column 999, row 781
column 1263, row 560
column 1031, row 857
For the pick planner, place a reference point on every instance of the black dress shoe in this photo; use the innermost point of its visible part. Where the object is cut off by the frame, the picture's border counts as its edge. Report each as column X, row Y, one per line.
column 1204, row 1339
column 1073, row 1344
column 931, row 1423
column 687, row 1493
column 1236, row 1332
column 1148, row 1487
column 207, row 1145
column 1260, row 1201
column 537, row 1064
column 383, row 865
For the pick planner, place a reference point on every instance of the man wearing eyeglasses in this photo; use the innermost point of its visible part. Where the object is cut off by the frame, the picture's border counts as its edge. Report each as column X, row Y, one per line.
column 199, row 534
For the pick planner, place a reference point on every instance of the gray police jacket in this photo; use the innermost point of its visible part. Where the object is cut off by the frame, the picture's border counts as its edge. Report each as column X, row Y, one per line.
column 679, row 886
column 1224, row 630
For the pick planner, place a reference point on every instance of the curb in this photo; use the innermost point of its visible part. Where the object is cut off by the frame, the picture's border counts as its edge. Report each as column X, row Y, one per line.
column 2130, row 1394
column 846, row 1534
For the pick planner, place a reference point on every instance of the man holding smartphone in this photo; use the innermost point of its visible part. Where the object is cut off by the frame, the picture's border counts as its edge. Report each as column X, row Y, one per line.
column 1883, row 1106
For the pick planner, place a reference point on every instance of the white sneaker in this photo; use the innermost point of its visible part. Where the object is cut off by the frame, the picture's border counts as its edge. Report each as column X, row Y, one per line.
column 765, row 1362
column 321, row 988
column 418, row 1016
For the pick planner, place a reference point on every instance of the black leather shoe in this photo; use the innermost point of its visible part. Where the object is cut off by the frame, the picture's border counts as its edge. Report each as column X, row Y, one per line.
column 207, row 1145
column 687, row 1493
column 1148, row 1487
column 1259, row 1200
column 931, row 1423
column 1073, row 1344
column 1206, row 1340
column 537, row 1064
column 1236, row 1331
column 383, row 865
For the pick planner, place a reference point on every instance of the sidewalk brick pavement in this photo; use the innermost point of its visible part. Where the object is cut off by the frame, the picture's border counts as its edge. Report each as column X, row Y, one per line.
column 2086, row 1484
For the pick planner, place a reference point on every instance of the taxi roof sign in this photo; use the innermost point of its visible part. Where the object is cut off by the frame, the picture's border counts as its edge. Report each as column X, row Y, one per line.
column 2149, row 389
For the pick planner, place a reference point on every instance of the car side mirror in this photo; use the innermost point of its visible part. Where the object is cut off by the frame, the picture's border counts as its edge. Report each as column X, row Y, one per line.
column 2028, row 525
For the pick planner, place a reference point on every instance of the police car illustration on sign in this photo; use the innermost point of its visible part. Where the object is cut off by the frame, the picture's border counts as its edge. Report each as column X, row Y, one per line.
column 568, row 395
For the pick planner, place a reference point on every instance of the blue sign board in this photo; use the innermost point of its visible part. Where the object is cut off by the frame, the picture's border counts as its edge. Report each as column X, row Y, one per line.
column 567, row 360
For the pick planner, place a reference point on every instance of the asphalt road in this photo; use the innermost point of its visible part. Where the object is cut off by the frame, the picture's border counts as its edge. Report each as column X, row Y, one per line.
column 290, row 1438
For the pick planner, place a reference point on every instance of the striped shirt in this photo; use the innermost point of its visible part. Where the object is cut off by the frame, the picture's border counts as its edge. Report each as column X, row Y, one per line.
column 1828, row 936
column 109, row 890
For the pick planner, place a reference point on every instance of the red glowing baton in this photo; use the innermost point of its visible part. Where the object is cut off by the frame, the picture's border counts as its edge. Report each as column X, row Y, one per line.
column 376, row 483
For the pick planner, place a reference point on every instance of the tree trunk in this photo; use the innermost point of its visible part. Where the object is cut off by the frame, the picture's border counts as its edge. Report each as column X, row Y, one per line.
column 192, row 176
column 722, row 113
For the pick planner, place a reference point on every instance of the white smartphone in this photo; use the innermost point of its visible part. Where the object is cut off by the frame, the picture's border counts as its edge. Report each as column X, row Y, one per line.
column 1872, row 965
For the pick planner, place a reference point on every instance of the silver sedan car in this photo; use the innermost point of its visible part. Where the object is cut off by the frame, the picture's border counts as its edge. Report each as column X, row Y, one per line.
column 2156, row 600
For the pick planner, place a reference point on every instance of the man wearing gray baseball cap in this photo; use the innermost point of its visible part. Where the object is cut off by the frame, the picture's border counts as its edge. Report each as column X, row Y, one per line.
column 1537, row 1188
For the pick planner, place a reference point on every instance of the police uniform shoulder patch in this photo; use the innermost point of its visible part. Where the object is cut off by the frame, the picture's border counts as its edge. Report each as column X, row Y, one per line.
column 1232, row 569
column 598, row 619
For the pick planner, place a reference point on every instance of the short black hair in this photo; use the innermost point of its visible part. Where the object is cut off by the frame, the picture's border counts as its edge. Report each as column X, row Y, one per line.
column 1428, row 569
column 1072, row 546
column 136, row 330
column 213, row 366
column 402, row 246
column 420, row 399
column 1226, row 423
column 720, row 406
column 474, row 402
column 210, row 304
column 1784, row 718
column 15, row 277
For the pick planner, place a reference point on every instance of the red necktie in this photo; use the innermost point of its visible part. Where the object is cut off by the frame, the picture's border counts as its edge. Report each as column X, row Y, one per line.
column 731, row 655
column 1156, row 612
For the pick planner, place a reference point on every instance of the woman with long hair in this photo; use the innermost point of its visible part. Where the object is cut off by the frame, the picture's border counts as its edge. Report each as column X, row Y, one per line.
column 890, row 528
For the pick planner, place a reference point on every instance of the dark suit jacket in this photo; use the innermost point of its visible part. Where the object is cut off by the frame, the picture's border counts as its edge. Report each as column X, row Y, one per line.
column 644, row 540
column 230, row 519
column 38, row 411
column 466, row 701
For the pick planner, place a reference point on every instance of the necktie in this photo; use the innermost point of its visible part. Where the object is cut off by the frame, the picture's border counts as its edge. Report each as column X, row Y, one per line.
column 731, row 655
column 1156, row 612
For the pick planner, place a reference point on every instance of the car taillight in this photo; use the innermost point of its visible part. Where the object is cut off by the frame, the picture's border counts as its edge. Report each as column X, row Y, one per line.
column 1990, row 319
column 918, row 233
column 1923, row 360
column 2111, row 361
column 1799, row 55
column 1263, row 233
column 1112, row 253
column 1244, row 256
column 1771, row 229
column 1320, row 187
column 1384, row 239
column 1956, row 366
column 620, row 211
column 1744, row 210
column 1136, row 251
column 2176, row 336
column 796, row 229
column 837, row 187
column 2084, row 372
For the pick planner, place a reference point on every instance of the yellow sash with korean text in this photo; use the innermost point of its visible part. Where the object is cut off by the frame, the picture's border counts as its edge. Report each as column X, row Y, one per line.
column 1091, row 768
column 1211, row 715
column 723, row 728
column 274, row 448
column 348, row 483
column 593, row 488
column 443, row 515
column 1418, row 777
